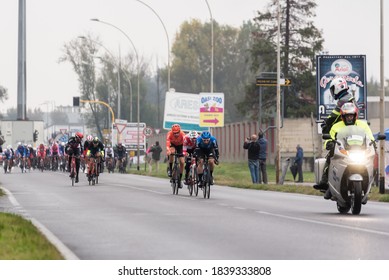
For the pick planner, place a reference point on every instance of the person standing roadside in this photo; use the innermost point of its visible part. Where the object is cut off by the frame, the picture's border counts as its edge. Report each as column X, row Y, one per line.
column 299, row 161
column 262, row 158
column 155, row 152
column 252, row 146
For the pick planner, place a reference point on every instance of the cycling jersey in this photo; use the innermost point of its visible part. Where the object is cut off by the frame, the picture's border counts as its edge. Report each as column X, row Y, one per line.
column 189, row 144
column 173, row 140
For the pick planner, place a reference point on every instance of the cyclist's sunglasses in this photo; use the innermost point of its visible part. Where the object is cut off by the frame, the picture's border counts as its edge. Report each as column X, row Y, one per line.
column 206, row 140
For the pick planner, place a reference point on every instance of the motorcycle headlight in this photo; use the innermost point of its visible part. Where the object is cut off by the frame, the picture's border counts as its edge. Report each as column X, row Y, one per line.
column 357, row 156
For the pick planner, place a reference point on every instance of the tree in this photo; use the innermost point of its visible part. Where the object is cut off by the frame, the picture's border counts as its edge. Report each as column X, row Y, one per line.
column 191, row 64
column 300, row 42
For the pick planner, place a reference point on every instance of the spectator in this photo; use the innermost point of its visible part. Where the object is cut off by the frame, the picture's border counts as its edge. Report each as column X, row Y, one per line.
column 262, row 158
column 251, row 144
column 299, row 162
column 155, row 152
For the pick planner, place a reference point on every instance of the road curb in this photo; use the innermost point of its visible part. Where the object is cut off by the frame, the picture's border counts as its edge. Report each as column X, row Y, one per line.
column 62, row 248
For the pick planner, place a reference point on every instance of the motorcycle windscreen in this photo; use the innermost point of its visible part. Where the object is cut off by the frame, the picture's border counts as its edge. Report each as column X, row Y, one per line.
column 352, row 137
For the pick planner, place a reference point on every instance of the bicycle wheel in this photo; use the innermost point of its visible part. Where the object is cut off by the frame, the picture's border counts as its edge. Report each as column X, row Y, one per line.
column 176, row 178
column 208, row 187
column 206, row 181
column 195, row 180
column 190, row 185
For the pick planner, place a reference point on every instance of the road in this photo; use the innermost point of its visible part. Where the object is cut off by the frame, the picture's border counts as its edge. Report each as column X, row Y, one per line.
column 137, row 218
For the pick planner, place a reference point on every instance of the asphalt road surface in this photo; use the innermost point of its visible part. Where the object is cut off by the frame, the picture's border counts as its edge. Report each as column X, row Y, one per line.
column 137, row 218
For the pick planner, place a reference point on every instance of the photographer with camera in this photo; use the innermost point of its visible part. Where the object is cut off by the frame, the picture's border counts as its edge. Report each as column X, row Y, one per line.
column 251, row 144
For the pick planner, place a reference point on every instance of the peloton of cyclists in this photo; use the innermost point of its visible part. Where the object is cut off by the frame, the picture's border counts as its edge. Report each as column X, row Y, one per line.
column 206, row 144
column 174, row 144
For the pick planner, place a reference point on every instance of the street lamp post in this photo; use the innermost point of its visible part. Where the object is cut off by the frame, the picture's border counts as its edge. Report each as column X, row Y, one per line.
column 117, row 65
column 168, row 42
column 210, row 13
column 138, row 78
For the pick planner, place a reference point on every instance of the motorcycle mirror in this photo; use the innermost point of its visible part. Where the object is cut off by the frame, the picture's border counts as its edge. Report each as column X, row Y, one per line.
column 381, row 137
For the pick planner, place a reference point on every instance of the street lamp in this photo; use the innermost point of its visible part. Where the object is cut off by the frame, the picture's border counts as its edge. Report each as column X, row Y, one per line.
column 117, row 65
column 168, row 42
column 210, row 13
column 138, row 68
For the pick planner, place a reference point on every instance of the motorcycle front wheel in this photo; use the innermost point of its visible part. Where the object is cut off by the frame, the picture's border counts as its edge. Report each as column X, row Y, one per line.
column 356, row 199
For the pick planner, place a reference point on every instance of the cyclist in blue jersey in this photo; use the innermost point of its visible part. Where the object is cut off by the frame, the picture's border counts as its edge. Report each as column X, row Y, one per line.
column 206, row 144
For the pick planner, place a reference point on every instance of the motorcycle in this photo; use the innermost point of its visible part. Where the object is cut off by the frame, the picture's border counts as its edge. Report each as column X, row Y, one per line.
column 351, row 170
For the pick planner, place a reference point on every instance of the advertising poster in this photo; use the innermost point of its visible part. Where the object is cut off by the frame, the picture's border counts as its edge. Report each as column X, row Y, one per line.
column 211, row 109
column 182, row 108
column 353, row 69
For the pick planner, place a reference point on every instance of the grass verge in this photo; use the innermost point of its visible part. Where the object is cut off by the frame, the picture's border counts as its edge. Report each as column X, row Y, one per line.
column 20, row 240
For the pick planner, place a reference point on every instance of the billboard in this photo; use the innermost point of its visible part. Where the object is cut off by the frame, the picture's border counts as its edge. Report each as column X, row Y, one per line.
column 182, row 108
column 353, row 69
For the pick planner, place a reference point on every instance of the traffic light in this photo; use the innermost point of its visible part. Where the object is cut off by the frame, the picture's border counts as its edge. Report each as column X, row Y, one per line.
column 76, row 101
column 35, row 135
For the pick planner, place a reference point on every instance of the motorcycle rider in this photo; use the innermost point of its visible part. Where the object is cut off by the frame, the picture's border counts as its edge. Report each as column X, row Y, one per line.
column 339, row 91
column 349, row 116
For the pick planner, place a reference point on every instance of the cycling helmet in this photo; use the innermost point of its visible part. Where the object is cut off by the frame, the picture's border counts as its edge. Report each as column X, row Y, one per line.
column 29, row 146
column 176, row 128
column 347, row 110
column 337, row 87
column 205, row 135
column 9, row 147
column 19, row 143
column 62, row 143
column 89, row 138
column 79, row 135
column 96, row 140
column 193, row 134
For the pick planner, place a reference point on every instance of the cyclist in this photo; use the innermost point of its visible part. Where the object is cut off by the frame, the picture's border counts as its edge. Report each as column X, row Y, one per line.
column 96, row 150
column 206, row 144
column 27, row 156
column 121, row 154
column 189, row 147
column 61, row 153
column 41, row 154
column 109, row 155
column 174, row 144
column 10, row 156
column 87, row 143
column 54, row 151
column 74, row 148
column 32, row 156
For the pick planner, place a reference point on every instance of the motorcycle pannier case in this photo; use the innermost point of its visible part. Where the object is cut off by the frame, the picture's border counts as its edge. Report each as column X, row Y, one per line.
column 319, row 165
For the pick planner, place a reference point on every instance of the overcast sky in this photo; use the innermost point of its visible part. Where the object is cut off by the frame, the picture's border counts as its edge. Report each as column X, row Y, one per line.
column 349, row 27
